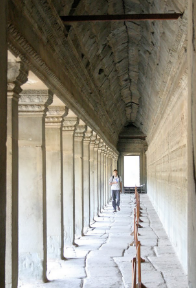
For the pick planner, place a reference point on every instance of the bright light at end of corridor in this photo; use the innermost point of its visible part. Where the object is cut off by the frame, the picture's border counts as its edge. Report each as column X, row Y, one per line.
column 131, row 171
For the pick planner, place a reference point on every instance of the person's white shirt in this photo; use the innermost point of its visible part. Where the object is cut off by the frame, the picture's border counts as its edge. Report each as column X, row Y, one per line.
column 117, row 179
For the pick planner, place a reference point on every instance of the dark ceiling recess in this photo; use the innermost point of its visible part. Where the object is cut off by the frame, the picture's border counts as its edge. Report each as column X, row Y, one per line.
column 130, row 131
column 124, row 17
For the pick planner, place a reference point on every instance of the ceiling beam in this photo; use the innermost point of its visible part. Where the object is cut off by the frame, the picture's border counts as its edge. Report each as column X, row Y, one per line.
column 124, row 17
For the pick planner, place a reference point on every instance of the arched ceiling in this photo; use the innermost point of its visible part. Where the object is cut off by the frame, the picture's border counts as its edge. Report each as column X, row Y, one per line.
column 129, row 62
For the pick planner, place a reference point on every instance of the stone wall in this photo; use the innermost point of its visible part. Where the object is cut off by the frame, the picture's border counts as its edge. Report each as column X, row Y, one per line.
column 192, row 147
column 167, row 166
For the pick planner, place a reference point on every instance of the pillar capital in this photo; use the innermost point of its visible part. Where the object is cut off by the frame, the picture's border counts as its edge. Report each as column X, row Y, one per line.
column 87, row 135
column 69, row 123
column 93, row 138
column 97, row 140
column 110, row 153
column 79, row 132
column 101, row 143
column 54, row 115
column 103, row 148
column 35, row 101
column 17, row 74
column 106, row 150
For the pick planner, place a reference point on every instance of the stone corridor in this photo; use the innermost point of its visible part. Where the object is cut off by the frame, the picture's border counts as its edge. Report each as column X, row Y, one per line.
column 102, row 258
column 76, row 98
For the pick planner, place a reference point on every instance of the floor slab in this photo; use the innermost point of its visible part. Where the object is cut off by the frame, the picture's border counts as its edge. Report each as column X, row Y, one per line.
column 102, row 258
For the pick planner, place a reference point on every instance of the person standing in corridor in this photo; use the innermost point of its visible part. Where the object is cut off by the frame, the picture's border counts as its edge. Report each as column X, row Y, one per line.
column 116, row 187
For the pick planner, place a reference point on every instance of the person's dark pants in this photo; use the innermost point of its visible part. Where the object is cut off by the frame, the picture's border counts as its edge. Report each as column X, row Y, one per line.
column 115, row 198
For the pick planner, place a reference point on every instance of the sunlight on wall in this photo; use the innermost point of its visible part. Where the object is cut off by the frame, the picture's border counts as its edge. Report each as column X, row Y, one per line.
column 131, row 171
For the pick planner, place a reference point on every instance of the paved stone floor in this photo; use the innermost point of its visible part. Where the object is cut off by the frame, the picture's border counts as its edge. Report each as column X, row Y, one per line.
column 103, row 256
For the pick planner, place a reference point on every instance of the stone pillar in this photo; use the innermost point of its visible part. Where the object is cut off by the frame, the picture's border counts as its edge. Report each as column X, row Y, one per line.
column 105, row 170
column 110, row 172
column 3, row 136
column 113, row 163
column 92, row 188
column 68, row 199
column 16, row 76
column 106, row 176
column 78, row 166
column 86, row 179
column 96, row 206
column 103, row 176
column 121, row 165
column 99, row 175
column 32, row 185
column 53, row 124
column 116, row 161
column 102, row 172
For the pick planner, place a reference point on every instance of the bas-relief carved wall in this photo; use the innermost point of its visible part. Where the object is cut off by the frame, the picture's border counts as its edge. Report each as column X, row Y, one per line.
column 167, row 169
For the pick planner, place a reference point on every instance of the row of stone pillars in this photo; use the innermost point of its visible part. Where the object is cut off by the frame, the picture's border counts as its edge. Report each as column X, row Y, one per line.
column 57, row 179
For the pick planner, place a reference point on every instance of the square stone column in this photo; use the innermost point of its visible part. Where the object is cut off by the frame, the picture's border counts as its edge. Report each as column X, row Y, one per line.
column 109, row 175
column 78, row 168
column 116, row 161
column 68, row 198
column 32, row 185
column 102, row 190
column 110, row 169
column 92, row 188
column 86, row 179
column 53, row 124
column 99, row 175
column 113, row 162
column 3, row 135
column 16, row 76
column 96, row 207
column 106, row 177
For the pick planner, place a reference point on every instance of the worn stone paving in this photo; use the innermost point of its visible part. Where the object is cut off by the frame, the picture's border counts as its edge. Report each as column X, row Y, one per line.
column 103, row 256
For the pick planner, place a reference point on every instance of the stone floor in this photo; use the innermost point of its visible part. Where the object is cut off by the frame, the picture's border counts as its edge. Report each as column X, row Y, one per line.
column 103, row 256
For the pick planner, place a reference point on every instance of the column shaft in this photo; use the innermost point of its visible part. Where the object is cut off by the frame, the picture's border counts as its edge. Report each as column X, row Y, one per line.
column 86, row 180
column 78, row 166
column 106, row 177
column 3, row 136
column 98, row 181
column 95, row 180
column 110, row 174
column 54, row 181
column 68, row 204
column 17, row 75
column 32, row 185
column 102, row 181
column 92, row 188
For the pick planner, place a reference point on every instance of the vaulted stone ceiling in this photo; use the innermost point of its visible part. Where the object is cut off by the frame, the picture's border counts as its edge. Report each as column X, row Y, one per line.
column 121, row 69
column 129, row 62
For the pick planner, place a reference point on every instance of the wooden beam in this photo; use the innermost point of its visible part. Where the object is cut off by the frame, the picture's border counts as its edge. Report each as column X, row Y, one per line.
column 125, row 17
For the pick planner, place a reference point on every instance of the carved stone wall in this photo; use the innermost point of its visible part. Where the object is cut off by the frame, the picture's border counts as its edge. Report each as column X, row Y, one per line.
column 167, row 167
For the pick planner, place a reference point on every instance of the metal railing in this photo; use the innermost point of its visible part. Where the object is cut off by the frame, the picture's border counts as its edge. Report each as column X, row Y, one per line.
column 136, row 261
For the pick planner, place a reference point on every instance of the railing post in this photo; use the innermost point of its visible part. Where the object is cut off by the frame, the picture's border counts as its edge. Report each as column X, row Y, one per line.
column 134, row 269
column 139, row 262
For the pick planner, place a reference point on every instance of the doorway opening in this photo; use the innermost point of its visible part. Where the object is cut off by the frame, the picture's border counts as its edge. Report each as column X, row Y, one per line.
column 131, row 171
